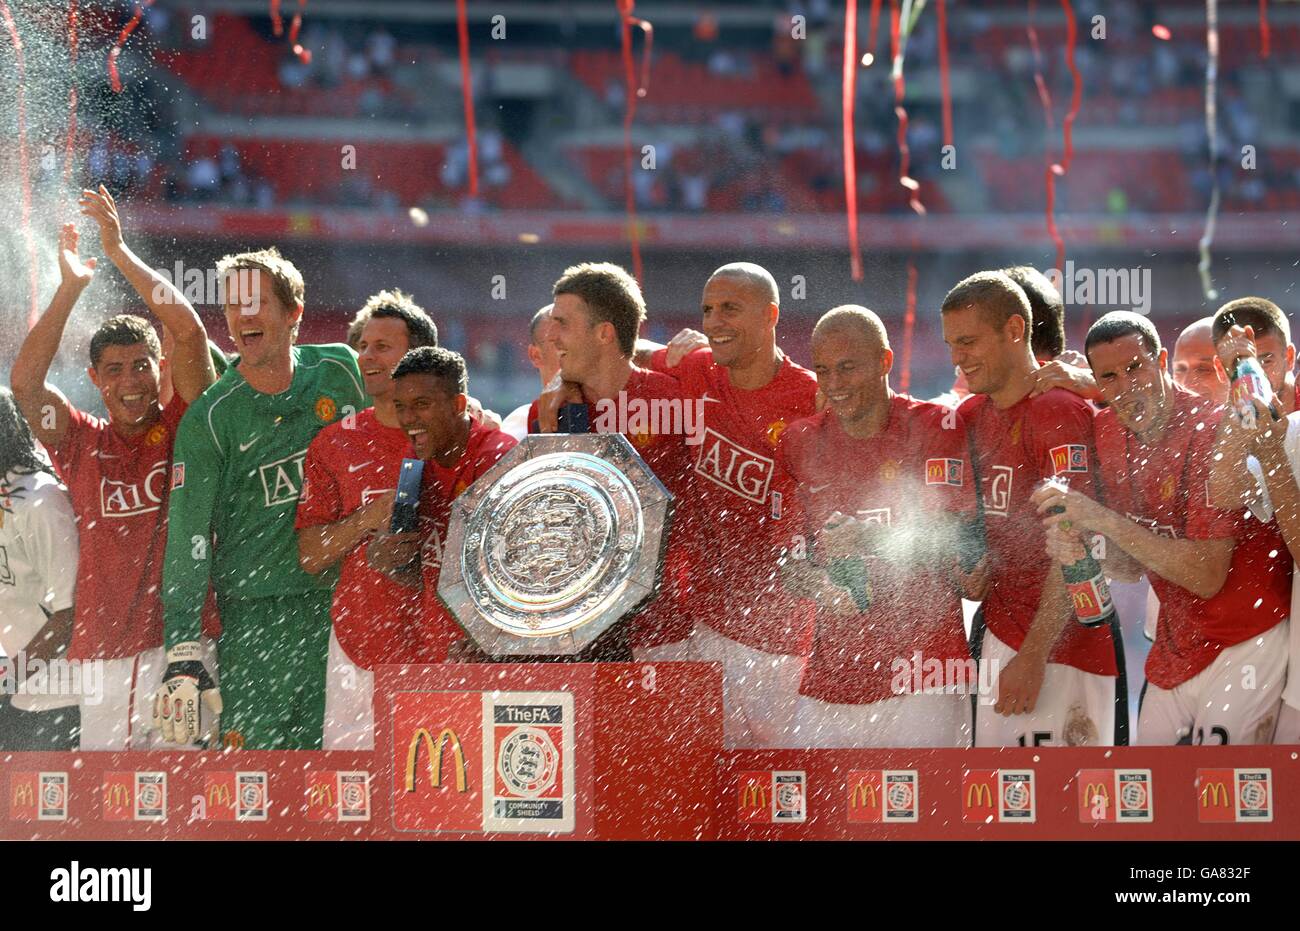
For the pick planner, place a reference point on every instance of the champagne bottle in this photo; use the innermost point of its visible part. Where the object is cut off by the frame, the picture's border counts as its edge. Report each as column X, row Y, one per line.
column 1249, row 383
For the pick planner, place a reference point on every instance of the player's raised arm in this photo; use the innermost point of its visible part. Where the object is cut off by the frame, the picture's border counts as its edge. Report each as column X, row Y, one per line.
column 44, row 406
column 191, row 363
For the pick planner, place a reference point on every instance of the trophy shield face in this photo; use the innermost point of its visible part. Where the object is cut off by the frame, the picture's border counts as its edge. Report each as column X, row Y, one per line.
column 555, row 544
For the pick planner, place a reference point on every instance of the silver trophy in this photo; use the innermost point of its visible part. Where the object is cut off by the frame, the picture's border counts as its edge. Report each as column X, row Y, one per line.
column 555, row 544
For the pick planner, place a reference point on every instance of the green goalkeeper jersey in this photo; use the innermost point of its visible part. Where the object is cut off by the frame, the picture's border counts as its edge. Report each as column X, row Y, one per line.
column 237, row 470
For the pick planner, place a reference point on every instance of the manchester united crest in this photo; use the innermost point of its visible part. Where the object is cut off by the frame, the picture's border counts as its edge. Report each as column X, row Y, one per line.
column 774, row 431
column 325, row 409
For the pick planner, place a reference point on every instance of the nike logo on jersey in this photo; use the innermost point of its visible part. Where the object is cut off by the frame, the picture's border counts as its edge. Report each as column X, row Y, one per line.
column 245, row 447
column 813, row 489
column 707, row 398
column 358, row 468
column 98, row 455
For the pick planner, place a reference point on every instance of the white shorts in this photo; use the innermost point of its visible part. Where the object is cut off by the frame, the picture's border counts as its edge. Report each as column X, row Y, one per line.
column 1074, row 708
column 1288, row 725
column 1234, row 700
column 902, row 721
column 759, row 690
column 122, row 719
column 349, row 703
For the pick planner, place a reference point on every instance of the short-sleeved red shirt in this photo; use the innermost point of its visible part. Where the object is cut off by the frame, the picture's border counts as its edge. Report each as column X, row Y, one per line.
column 119, row 488
column 745, row 499
column 904, row 477
column 1162, row 487
column 440, row 487
column 1014, row 450
column 347, row 465
column 663, row 446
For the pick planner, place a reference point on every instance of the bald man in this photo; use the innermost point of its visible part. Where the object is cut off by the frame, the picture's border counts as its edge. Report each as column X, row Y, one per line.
column 749, row 391
column 886, row 502
column 544, row 357
column 1194, row 366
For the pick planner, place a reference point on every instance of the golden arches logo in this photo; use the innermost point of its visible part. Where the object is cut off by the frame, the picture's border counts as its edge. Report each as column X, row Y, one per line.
column 979, row 795
column 433, row 750
column 1212, row 792
column 1096, row 790
column 218, row 794
column 753, row 795
column 116, row 794
column 321, row 793
column 863, row 795
column 24, row 794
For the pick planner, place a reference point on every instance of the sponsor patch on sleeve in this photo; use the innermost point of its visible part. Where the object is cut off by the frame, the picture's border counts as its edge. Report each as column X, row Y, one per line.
column 943, row 472
column 178, row 475
column 1069, row 458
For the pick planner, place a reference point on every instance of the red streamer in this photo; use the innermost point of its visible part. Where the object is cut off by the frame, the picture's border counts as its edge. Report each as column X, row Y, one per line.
column 634, row 91
column 113, row 77
column 72, row 93
column 277, row 28
column 1052, row 169
column 849, row 93
column 904, row 151
column 467, row 95
column 909, row 324
column 945, row 87
column 872, row 28
column 1264, row 38
column 20, row 66
column 1076, row 81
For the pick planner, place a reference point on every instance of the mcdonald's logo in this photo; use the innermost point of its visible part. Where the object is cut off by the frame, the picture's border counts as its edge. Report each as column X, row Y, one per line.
column 1084, row 602
column 433, row 750
column 233, row 740
column 116, row 794
column 24, row 794
column 863, row 795
column 219, row 794
column 322, row 793
column 1214, row 793
column 753, row 795
column 979, row 795
column 1093, row 790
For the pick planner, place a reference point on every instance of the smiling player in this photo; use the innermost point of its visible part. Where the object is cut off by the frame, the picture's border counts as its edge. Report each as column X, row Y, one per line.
column 238, row 473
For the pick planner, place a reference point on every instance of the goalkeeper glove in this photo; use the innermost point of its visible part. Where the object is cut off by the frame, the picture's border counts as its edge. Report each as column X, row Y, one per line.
column 186, row 684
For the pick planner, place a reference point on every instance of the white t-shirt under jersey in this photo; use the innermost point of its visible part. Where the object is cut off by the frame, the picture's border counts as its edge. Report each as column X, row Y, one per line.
column 38, row 567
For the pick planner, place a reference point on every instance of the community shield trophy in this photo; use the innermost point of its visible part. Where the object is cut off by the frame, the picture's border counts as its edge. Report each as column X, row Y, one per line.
column 551, row 547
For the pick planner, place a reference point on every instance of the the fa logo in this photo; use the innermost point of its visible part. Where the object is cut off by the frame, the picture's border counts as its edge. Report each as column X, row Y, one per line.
column 282, row 479
column 997, row 498
column 123, row 499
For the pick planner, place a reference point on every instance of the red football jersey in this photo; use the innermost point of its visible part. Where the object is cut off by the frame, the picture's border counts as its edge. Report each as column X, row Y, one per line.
column 745, row 498
column 915, row 468
column 667, row 619
column 1163, row 488
column 439, row 487
column 119, row 488
column 348, row 464
column 1014, row 450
